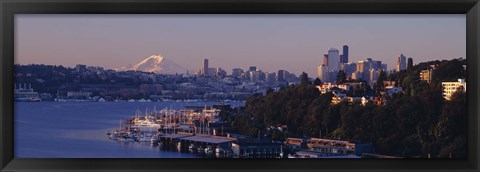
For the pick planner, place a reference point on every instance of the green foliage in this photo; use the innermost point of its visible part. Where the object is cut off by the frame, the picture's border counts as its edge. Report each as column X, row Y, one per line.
column 414, row 124
column 317, row 81
column 304, row 78
column 341, row 77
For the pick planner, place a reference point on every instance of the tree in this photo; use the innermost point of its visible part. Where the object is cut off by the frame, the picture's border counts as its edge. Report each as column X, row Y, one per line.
column 304, row 79
column 409, row 64
column 379, row 85
column 341, row 77
column 317, row 81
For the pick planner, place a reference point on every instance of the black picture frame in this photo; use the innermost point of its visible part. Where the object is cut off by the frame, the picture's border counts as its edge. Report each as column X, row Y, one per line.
column 8, row 8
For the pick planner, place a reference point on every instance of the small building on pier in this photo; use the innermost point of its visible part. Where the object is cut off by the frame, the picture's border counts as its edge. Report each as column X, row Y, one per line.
column 257, row 149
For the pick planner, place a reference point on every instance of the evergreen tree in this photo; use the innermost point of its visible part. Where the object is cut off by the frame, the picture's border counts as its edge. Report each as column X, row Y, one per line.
column 317, row 81
column 304, row 79
column 341, row 77
column 409, row 64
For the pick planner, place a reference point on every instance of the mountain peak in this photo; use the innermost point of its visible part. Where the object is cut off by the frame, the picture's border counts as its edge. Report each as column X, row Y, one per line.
column 156, row 64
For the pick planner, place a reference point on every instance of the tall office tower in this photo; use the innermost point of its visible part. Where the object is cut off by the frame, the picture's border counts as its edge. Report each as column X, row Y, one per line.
column 236, row 72
column 261, row 75
column 254, row 76
column 323, row 73
column 253, row 68
column 384, row 67
column 401, row 63
column 205, row 67
column 325, row 59
column 349, row 68
column 220, row 73
column 271, row 78
column 281, row 75
column 409, row 63
column 373, row 75
column 345, row 54
column 81, row 68
column 360, row 66
column 333, row 59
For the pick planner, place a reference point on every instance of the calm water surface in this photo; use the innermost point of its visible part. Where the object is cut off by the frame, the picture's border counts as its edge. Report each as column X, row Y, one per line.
column 78, row 130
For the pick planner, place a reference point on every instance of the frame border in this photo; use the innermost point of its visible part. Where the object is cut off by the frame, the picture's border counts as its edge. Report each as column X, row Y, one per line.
column 8, row 9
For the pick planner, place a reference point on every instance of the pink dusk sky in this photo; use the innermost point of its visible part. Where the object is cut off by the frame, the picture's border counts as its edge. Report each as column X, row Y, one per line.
column 271, row 42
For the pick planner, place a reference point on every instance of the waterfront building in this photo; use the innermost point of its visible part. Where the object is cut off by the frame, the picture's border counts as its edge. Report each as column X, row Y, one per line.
column 449, row 88
column 25, row 93
column 78, row 94
column 333, row 147
column 296, row 143
column 256, row 149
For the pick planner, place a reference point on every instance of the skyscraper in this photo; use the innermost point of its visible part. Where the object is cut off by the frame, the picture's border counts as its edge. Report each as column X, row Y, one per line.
column 325, row 59
column 236, row 72
column 281, row 75
column 253, row 68
column 333, row 59
column 401, row 63
column 344, row 55
column 205, row 67
column 323, row 73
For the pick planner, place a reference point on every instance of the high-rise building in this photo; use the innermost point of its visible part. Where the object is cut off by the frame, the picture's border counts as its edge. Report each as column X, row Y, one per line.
column 254, row 76
column 401, row 63
column 220, row 73
column 325, row 59
column 323, row 73
column 344, row 58
column 261, row 75
column 205, row 67
column 253, row 68
column 281, row 75
column 81, row 68
column 373, row 75
column 237, row 72
column 349, row 68
column 271, row 78
column 449, row 88
column 333, row 60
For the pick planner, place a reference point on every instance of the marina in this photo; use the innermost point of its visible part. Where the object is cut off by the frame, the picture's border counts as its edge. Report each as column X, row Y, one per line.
column 193, row 129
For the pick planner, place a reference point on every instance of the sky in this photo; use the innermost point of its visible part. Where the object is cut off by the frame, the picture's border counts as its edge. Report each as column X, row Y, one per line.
column 295, row 43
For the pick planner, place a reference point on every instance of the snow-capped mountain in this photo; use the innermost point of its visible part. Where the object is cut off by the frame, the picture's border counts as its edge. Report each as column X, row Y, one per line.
column 156, row 64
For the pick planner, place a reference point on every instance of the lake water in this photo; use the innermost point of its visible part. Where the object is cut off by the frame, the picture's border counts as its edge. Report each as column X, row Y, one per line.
column 78, row 130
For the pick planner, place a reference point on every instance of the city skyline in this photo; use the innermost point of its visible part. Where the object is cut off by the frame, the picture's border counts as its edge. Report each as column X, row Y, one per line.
column 296, row 43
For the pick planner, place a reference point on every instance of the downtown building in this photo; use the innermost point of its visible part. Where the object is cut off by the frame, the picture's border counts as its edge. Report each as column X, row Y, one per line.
column 332, row 64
